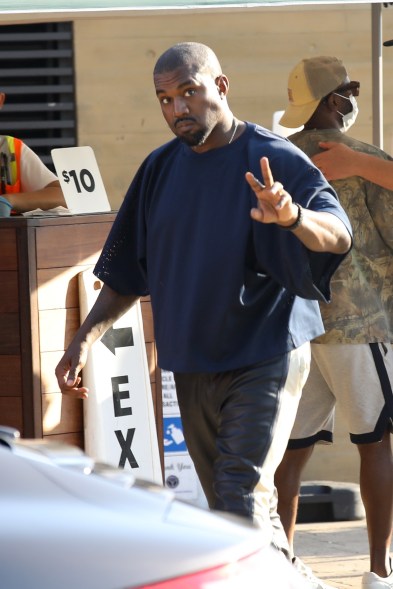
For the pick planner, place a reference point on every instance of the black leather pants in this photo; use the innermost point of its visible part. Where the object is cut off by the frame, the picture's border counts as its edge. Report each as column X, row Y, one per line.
column 236, row 426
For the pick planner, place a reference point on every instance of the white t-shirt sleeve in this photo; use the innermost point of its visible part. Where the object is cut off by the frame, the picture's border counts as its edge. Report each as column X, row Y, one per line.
column 34, row 174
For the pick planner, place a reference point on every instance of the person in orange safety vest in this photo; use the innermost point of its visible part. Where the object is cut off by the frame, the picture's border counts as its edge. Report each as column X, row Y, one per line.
column 25, row 182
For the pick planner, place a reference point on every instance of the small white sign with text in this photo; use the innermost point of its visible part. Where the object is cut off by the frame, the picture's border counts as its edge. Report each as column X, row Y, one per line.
column 80, row 180
column 120, row 427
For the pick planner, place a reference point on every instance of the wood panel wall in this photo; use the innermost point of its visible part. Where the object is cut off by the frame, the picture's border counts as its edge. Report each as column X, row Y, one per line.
column 119, row 115
column 57, row 270
column 10, row 351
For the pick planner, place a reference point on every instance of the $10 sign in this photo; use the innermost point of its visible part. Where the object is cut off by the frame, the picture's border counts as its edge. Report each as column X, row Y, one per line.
column 84, row 180
column 80, row 180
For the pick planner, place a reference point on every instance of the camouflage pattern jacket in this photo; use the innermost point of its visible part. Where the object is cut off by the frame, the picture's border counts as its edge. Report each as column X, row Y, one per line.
column 361, row 308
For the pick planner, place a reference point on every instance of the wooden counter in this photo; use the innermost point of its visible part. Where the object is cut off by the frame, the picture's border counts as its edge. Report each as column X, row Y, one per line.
column 40, row 259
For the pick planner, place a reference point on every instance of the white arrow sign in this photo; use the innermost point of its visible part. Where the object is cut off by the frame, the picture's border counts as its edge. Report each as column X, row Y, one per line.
column 119, row 417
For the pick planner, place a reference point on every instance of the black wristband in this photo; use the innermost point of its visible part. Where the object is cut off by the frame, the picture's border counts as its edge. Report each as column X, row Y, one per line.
column 297, row 223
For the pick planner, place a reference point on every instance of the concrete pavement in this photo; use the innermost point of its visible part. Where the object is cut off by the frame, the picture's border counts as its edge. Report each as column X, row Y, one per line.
column 337, row 552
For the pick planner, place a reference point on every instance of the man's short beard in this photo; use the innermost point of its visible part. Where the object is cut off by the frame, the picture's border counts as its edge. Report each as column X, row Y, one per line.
column 195, row 139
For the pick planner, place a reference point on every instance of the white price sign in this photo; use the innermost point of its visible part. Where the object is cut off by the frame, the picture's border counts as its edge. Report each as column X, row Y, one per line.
column 80, row 180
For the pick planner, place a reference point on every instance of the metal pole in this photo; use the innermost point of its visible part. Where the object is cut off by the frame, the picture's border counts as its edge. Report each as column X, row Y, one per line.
column 377, row 86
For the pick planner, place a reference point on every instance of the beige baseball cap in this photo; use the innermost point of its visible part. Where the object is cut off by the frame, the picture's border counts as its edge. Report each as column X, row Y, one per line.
column 311, row 80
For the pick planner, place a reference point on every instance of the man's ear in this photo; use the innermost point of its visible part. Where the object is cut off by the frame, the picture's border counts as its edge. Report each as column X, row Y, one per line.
column 222, row 84
column 2, row 99
column 331, row 101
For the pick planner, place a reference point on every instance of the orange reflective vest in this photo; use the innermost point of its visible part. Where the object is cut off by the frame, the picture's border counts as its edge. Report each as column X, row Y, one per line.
column 10, row 152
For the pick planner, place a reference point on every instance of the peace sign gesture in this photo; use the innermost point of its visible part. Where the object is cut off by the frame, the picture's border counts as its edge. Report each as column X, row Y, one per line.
column 274, row 203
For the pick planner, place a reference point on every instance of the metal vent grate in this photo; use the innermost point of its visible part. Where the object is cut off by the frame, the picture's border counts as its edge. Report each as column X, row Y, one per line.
column 37, row 75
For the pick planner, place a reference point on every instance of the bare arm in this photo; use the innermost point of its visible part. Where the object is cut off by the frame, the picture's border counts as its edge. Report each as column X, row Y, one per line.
column 319, row 231
column 108, row 307
column 47, row 198
column 340, row 161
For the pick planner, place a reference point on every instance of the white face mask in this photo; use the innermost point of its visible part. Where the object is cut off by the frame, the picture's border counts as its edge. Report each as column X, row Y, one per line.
column 350, row 117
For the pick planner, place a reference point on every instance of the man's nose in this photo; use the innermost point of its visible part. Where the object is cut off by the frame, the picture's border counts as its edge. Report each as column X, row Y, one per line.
column 180, row 106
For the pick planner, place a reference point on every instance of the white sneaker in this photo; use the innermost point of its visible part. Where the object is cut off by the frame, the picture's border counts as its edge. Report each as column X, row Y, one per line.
column 306, row 572
column 373, row 581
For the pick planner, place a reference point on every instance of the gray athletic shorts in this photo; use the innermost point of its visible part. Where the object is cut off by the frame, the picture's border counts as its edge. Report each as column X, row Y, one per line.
column 359, row 378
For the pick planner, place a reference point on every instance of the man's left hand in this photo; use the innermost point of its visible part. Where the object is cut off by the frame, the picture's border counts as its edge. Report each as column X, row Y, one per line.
column 274, row 203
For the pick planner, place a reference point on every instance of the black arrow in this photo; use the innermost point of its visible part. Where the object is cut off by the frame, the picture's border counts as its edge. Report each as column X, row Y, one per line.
column 118, row 338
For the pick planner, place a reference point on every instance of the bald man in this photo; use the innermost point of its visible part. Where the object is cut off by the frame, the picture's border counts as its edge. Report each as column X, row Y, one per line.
column 234, row 236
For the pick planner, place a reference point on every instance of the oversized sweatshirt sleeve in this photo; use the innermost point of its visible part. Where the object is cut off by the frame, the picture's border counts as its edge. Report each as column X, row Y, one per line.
column 122, row 264
column 280, row 253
